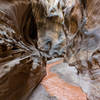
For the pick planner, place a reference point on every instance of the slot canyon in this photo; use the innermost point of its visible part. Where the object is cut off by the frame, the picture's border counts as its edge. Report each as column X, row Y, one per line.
column 49, row 50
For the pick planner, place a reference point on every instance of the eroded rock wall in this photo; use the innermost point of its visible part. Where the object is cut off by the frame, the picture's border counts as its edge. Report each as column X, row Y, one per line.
column 48, row 29
column 21, row 65
column 79, row 22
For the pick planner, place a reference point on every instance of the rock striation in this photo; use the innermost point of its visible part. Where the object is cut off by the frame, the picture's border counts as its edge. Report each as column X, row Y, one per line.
column 34, row 31
column 78, row 23
column 22, row 66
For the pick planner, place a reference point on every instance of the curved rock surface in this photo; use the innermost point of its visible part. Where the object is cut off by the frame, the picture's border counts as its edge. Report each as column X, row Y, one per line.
column 21, row 65
column 78, row 22
column 33, row 31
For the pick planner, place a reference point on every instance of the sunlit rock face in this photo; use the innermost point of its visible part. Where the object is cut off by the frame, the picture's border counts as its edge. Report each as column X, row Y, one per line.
column 21, row 66
column 55, row 19
column 79, row 27
column 49, row 15
column 48, row 29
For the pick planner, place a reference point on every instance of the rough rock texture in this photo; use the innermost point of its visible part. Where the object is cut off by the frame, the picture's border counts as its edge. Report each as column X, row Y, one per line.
column 21, row 65
column 68, row 28
column 83, row 52
column 78, row 22
column 50, row 32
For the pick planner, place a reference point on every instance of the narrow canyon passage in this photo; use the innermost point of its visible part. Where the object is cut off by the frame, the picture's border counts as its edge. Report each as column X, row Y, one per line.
column 56, row 87
column 49, row 49
column 59, row 88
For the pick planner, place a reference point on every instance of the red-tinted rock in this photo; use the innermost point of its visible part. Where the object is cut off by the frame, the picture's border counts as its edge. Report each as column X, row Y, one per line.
column 21, row 65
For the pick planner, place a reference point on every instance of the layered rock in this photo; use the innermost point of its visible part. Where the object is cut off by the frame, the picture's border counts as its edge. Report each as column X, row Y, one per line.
column 68, row 28
column 79, row 22
column 21, row 65
column 50, row 32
